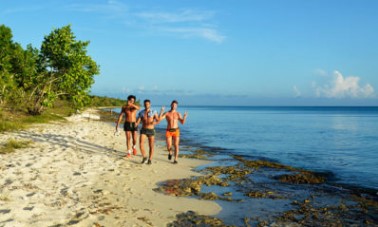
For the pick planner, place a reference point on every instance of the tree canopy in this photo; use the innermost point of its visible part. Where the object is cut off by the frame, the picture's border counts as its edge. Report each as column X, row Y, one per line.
column 35, row 78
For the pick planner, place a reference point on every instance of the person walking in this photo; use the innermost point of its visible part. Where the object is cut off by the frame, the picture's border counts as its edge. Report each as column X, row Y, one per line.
column 130, row 127
column 149, row 119
column 173, row 131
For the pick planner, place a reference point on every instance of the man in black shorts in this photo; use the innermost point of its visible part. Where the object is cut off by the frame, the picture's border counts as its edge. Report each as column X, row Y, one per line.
column 149, row 119
column 130, row 126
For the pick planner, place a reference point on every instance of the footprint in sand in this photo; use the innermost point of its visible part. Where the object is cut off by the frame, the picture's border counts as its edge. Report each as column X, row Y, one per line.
column 29, row 164
column 30, row 194
column 29, row 208
column 79, row 216
column 5, row 211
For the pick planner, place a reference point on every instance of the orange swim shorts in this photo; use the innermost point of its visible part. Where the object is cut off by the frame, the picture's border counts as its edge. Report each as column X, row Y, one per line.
column 173, row 132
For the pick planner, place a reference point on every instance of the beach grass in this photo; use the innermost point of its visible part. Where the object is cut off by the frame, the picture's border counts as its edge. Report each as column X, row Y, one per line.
column 11, row 145
column 13, row 119
column 18, row 120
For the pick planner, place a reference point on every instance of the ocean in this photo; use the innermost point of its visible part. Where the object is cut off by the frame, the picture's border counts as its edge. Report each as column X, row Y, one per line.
column 342, row 141
column 339, row 141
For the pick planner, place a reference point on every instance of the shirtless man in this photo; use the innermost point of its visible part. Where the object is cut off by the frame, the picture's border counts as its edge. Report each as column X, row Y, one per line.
column 130, row 126
column 173, row 118
column 149, row 119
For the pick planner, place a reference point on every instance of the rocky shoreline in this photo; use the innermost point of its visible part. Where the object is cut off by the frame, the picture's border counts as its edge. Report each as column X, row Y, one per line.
column 265, row 193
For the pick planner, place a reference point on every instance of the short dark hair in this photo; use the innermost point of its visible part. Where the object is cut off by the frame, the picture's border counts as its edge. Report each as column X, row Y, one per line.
column 131, row 97
column 174, row 101
column 146, row 100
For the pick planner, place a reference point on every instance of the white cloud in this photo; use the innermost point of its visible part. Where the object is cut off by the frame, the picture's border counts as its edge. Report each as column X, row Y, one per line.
column 205, row 33
column 342, row 87
column 320, row 72
column 187, row 15
column 187, row 23
column 21, row 10
column 110, row 7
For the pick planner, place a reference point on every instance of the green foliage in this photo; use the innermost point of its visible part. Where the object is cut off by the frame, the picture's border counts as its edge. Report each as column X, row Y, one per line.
column 6, row 54
column 6, row 125
column 46, row 84
column 34, row 79
column 66, row 70
column 12, row 144
column 15, row 120
column 11, row 120
column 99, row 101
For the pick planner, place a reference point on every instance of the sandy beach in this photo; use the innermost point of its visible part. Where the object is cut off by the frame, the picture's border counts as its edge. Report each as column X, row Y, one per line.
column 75, row 173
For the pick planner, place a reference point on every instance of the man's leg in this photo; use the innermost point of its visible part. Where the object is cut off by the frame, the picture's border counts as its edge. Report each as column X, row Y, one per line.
column 141, row 146
column 128, row 146
column 151, row 141
column 169, row 146
column 176, row 140
column 134, row 135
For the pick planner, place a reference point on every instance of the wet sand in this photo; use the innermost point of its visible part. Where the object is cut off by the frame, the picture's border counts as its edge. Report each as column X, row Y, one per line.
column 75, row 173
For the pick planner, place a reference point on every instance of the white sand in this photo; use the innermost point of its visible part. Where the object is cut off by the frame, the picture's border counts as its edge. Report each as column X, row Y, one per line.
column 75, row 174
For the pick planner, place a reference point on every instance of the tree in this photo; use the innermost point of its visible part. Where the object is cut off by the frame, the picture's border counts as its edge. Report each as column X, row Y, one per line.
column 6, row 52
column 64, row 68
column 25, row 66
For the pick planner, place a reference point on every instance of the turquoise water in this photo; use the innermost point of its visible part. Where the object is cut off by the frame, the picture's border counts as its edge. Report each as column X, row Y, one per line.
column 340, row 140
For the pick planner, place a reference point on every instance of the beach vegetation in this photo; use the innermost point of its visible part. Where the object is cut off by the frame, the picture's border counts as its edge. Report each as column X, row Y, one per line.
column 38, row 85
column 32, row 79
column 104, row 101
column 64, row 70
column 11, row 120
column 11, row 145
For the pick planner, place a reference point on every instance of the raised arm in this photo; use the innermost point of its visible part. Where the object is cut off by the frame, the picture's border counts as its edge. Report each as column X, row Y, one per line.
column 158, row 118
column 183, row 119
column 162, row 113
column 133, row 105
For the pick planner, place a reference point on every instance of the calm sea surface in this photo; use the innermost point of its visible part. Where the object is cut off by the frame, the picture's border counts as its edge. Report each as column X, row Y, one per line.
column 340, row 140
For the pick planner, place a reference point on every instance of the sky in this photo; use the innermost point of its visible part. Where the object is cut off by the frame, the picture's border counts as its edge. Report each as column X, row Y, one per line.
column 218, row 52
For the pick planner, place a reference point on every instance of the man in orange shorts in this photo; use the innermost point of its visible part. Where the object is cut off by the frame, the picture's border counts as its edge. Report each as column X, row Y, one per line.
column 173, row 132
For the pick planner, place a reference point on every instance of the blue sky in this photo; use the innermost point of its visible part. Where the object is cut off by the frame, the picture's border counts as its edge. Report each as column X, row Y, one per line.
column 241, row 52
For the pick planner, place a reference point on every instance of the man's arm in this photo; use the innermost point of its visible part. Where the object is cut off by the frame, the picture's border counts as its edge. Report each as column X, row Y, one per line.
column 157, row 118
column 132, row 105
column 119, row 118
column 162, row 114
column 183, row 119
column 138, row 120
